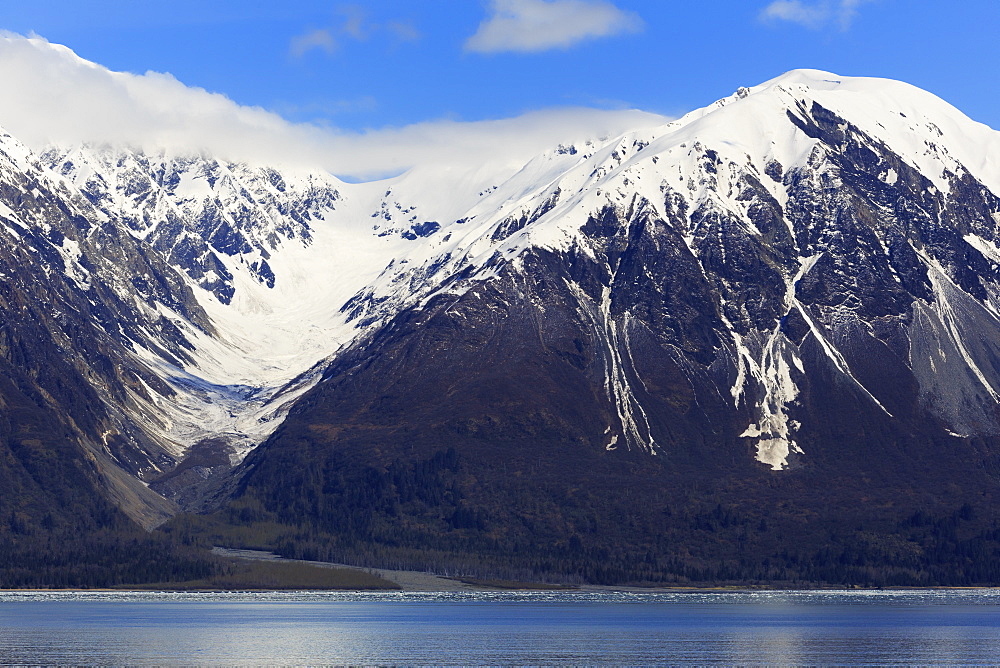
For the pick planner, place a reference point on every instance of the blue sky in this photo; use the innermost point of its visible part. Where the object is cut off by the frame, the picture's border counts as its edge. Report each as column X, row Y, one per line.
column 353, row 67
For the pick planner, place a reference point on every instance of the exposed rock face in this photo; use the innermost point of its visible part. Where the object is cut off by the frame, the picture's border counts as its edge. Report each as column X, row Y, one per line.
column 107, row 258
column 76, row 300
column 193, row 211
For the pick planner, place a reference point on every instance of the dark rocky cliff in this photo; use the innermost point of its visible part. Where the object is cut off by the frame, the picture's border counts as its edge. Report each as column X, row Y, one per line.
column 585, row 412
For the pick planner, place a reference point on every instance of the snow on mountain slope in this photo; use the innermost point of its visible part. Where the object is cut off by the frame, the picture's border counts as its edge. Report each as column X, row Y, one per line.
column 724, row 163
column 750, row 128
column 272, row 258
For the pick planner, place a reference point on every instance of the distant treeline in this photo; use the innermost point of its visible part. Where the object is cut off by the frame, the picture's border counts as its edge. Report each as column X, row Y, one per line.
column 104, row 558
column 423, row 515
column 432, row 513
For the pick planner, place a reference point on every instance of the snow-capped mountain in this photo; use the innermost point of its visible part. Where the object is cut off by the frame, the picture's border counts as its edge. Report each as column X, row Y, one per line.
column 808, row 211
column 803, row 273
column 776, row 318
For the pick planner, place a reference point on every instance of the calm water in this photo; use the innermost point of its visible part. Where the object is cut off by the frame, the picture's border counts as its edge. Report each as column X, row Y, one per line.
column 773, row 628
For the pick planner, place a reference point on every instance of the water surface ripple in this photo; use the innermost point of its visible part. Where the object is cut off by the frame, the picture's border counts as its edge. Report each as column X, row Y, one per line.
column 928, row 627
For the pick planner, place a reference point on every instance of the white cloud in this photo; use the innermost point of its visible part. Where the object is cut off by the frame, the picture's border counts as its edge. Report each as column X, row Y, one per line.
column 795, row 12
column 355, row 22
column 61, row 98
column 403, row 32
column 848, row 9
column 540, row 25
column 815, row 14
column 355, row 26
column 314, row 39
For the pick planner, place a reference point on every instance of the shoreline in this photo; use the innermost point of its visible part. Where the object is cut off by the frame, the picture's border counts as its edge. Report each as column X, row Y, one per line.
column 420, row 581
column 425, row 582
column 406, row 580
column 594, row 589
